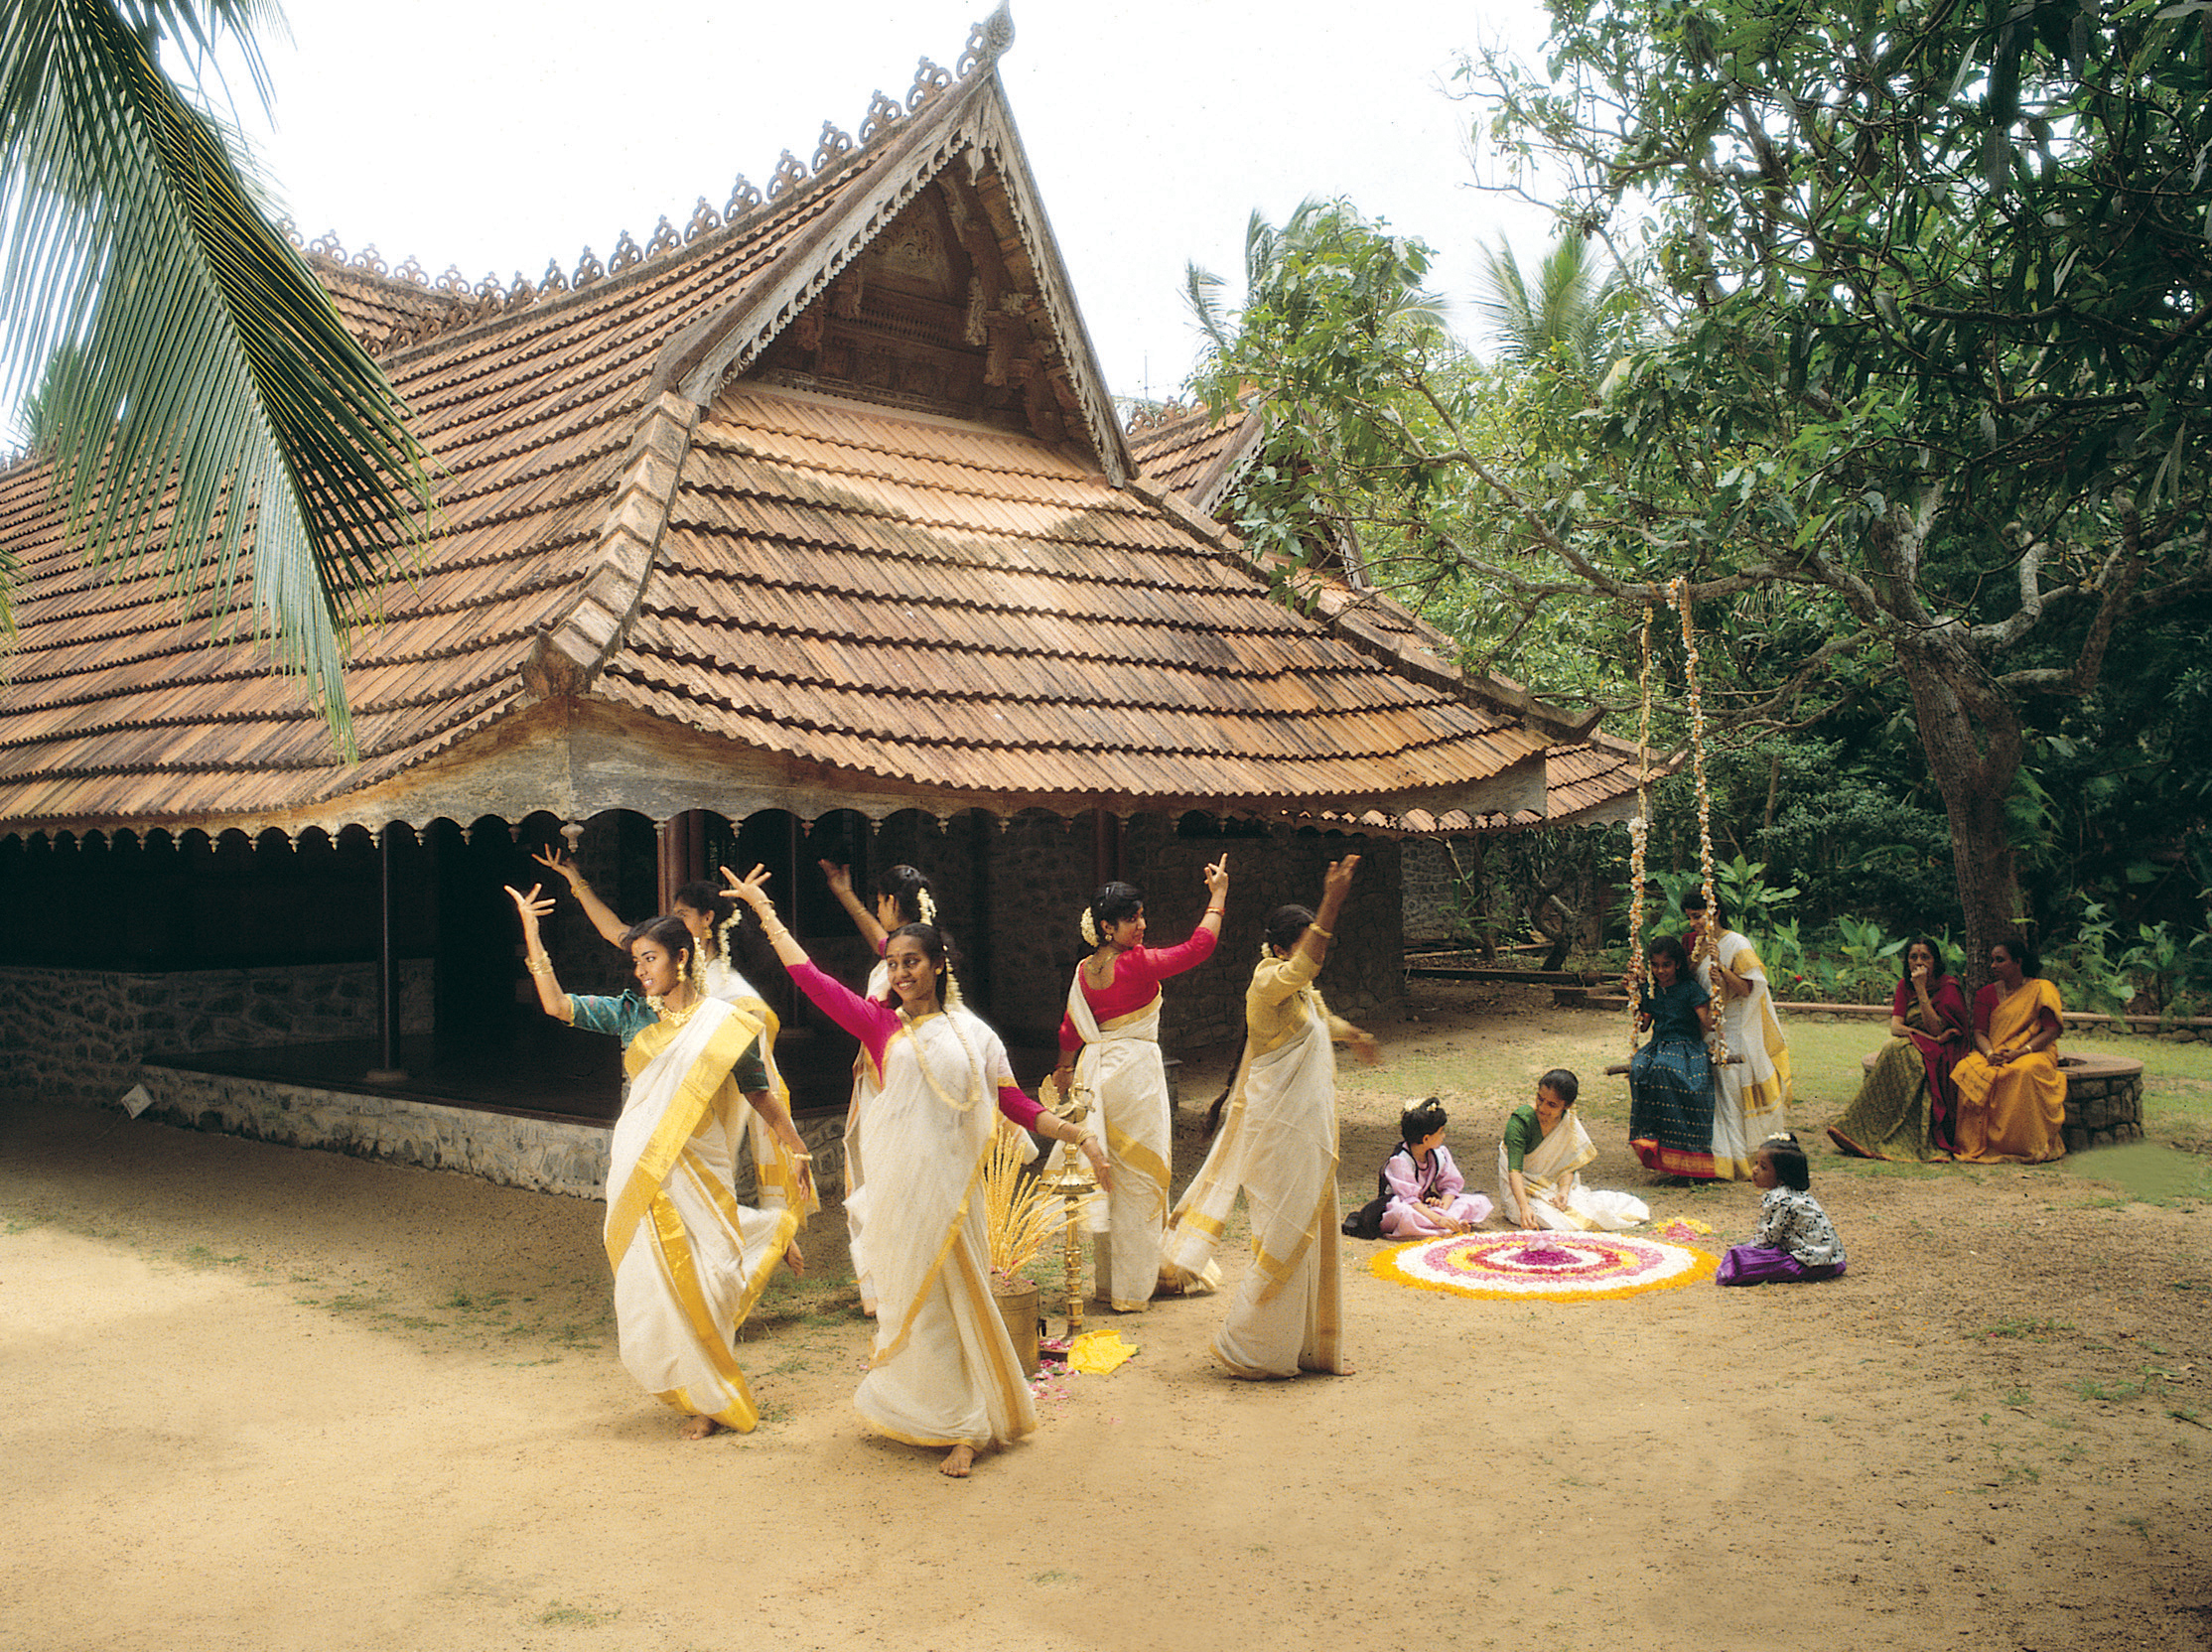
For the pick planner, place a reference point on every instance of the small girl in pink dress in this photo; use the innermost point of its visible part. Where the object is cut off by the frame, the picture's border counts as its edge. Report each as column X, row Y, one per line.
column 1427, row 1196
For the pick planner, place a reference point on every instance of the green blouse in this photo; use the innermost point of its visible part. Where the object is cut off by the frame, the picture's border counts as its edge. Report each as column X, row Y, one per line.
column 625, row 1016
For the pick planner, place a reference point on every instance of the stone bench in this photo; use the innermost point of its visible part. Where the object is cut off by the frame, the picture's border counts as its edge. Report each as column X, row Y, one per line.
column 2104, row 1099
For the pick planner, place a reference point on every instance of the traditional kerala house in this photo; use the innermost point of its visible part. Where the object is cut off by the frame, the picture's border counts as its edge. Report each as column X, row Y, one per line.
column 1589, row 781
column 804, row 531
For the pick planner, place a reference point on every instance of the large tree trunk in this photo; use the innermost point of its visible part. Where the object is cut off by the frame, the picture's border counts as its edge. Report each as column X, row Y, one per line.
column 1972, row 736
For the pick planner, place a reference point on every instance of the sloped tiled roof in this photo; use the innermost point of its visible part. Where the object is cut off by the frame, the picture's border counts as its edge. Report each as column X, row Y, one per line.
column 1589, row 778
column 1200, row 458
column 638, row 515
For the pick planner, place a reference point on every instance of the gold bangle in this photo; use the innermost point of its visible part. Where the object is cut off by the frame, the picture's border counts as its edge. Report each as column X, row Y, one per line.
column 539, row 963
column 1325, row 934
column 1214, row 912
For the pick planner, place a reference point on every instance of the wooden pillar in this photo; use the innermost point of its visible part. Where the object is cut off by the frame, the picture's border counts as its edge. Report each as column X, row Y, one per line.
column 669, row 877
column 980, row 920
column 388, row 1069
column 1105, row 848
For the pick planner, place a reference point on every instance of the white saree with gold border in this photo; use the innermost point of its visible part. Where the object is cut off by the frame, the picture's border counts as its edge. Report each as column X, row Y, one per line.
column 776, row 1173
column 943, row 1371
column 689, row 1261
column 1277, row 1145
column 1120, row 1066
column 1544, row 1168
column 856, row 1157
column 1751, row 1096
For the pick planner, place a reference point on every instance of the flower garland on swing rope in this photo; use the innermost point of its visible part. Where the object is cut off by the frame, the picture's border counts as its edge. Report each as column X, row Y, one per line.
column 1709, row 943
column 1639, row 832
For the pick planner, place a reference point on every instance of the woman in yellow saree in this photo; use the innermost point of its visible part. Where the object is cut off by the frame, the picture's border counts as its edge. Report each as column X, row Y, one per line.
column 2011, row 1095
column 1278, row 1147
column 689, row 1261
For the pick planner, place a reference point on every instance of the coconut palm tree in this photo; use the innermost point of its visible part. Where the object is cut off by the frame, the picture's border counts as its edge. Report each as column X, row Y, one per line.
column 1568, row 319
column 197, row 396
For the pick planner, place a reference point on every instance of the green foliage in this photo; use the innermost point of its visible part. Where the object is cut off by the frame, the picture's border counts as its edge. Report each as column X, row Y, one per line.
column 1918, row 400
column 199, row 396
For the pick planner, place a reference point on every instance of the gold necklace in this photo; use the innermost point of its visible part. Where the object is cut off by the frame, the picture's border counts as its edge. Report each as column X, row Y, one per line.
column 673, row 1020
column 975, row 1067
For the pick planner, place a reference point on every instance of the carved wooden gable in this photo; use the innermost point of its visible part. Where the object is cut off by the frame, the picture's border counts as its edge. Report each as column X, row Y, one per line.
column 940, row 315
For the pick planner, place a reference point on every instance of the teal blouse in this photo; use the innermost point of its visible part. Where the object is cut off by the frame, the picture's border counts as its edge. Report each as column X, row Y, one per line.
column 625, row 1016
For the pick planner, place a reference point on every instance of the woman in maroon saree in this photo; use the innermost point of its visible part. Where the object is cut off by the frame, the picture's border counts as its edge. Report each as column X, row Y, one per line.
column 1909, row 1107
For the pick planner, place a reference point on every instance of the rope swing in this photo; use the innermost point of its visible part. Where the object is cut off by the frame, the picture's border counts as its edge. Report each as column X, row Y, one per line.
column 1640, row 828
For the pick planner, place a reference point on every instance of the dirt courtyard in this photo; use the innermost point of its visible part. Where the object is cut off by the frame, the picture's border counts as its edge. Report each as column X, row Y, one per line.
column 264, row 1398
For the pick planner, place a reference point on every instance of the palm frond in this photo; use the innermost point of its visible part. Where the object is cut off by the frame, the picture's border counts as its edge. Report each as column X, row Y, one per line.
column 203, row 398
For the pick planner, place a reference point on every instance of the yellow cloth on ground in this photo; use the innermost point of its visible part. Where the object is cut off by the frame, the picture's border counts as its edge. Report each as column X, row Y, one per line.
column 1099, row 1353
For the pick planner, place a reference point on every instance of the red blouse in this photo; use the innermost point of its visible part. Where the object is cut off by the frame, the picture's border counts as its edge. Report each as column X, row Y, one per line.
column 1136, row 983
column 874, row 1023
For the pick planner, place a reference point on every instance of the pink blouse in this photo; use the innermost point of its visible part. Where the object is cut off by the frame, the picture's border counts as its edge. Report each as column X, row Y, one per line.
column 1136, row 983
column 874, row 1024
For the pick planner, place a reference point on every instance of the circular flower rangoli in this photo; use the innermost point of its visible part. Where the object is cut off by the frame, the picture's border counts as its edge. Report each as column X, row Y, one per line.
column 1544, row 1267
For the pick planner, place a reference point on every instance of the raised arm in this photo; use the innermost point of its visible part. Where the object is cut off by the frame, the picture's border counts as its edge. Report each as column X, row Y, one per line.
column 1173, row 960
column 871, row 1023
column 1336, row 887
column 533, row 907
column 611, row 929
column 841, row 884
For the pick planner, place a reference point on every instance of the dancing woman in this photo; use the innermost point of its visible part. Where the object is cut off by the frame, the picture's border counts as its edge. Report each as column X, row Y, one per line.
column 1277, row 1145
column 689, row 1261
column 1110, row 1046
column 708, row 913
column 902, row 898
column 943, row 1373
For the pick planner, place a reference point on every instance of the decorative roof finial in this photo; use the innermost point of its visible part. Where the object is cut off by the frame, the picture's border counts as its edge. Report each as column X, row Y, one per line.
column 986, row 41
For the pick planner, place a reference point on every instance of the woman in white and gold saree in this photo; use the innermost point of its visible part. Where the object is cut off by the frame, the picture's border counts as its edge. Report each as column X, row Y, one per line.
column 708, row 913
column 902, row 896
column 1110, row 1049
column 1278, row 1147
column 689, row 1261
column 935, row 1081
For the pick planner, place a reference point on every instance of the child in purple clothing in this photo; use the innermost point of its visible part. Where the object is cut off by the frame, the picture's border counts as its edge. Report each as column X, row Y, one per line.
column 1427, row 1196
column 1796, row 1241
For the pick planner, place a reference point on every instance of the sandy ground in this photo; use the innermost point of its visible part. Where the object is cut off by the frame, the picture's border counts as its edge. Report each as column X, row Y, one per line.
column 263, row 1398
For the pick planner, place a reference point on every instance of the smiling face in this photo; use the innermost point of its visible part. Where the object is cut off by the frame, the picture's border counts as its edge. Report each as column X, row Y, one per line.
column 659, row 972
column 1662, row 969
column 1548, row 1108
column 913, row 977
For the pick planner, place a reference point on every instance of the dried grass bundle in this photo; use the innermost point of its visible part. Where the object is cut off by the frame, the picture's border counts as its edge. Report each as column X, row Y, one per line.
column 1020, row 1214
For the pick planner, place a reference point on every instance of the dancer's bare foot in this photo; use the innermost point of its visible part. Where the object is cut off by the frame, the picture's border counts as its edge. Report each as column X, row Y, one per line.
column 958, row 1462
column 792, row 1260
column 698, row 1428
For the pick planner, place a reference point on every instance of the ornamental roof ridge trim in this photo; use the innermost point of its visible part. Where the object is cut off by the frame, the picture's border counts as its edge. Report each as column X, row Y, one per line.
column 450, row 302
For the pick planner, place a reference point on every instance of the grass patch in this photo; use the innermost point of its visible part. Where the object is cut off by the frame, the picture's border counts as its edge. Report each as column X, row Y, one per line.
column 559, row 1614
column 2034, row 1330
column 468, row 1302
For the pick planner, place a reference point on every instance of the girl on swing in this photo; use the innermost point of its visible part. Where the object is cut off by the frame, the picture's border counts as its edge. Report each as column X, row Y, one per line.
column 1670, row 1078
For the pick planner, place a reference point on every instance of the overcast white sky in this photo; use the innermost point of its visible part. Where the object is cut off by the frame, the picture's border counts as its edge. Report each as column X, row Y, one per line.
column 497, row 136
